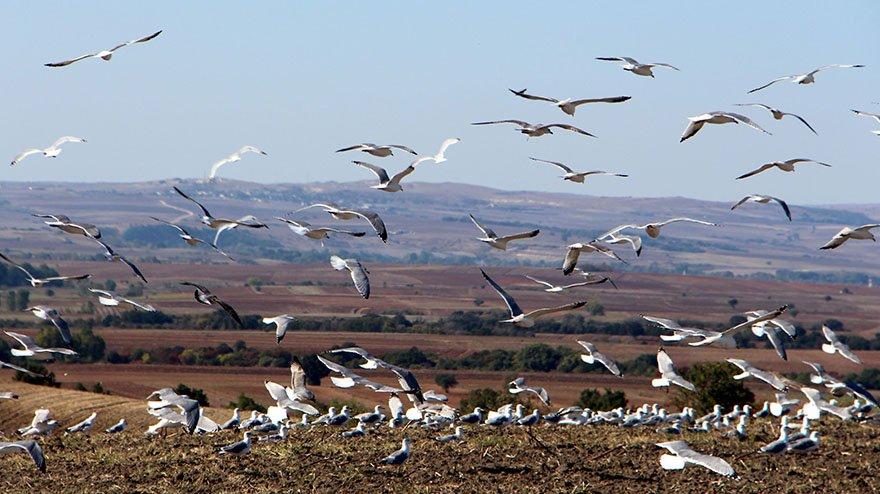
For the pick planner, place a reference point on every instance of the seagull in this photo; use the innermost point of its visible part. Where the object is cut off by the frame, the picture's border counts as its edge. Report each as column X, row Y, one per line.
column 682, row 455
column 816, row 406
column 407, row 380
column 551, row 288
column 858, row 233
column 349, row 379
column 30, row 447
column 85, row 425
column 822, row 377
column 592, row 356
column 50, row 152
column 112, row 256
column 631, row 65
column 653, row 229
column 727, row 334
column 117, row 427
column 205, row 297
column 475, row 417
column 668, row 374
column 786, row 166
column 569, row 106
column 242, row 447
column 771, row 331
column 804, row 445
column 859, row 391
column 717, row 117
column 49, row 314
column 530, row 419
column 189, row 239
column 347, row 214
column 875, row 116
column 398, row 456
column 594, row 279
column 316, row 233
column 166, row 397
column 764, row 200
column 574, row 252
column 33, row 350
column 39, row 282
column 232, row 158
column 64, row 224
column 111, row 299
column 373, row 417
column 281, row 322
column 15, row 368
column 536, row 130
column 358, row 431
column 491, row 238
column 233, row 421
column 385, row 183
column 377, row 150
column 778, row 114
column 104, row 54
column 518, row 385
column 680, row 333
column 578, row 177
column 451, row 437
column 517, row 316
column 834, row 345
column 41, row 425
column 807, row 78
column 221, row 224
column 440, row 157
column 748, row 370
column 7, row 395
column 288, row 398
column 777, row 446
column 358, row 273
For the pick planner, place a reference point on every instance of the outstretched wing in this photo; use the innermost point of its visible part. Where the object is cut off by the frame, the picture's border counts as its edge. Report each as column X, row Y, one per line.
column 488, row 232
column 569, row 127
column 553, row 310
column 512, row 306
column 380, row 172
column 774, row 81
column 756, row 171
column 522, row 94
column 139, row 40
column 564, row 168
column 197, row 203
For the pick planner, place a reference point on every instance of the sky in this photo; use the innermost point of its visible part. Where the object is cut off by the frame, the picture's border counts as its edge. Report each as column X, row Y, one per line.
column 301, row 79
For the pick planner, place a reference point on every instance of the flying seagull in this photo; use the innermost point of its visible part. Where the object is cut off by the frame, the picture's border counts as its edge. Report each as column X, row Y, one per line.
column 574, row 252
column 232, row 158
column 440, row 157
column 822, row 377
column 834, row 345
column 536, row 130
column 377, row 150
column 189, row 239
column 578, row 177
column 592, row 356
column 634, row 241
column 350, row 379
column 771, row 330
column 717, row 117
column 875, row 116
column 569, row 105
column 551, row 288
column 111, row 299
column 760, row 199
column 205, row 297
column 723, row 336
column 858, row 233
column 668, row 374
column 631, row 65
column 65, row 224
column 387, row 184
column 84, row 426
column 407, row 380
column 104, row 54
column 778, row 114
column 786, row 166
column 50, row 152
column 33, row 350
column 807, row 78
column 317, row 233
column 30, row 447
column 287, row 398
column 221, row 224
column 7, row 395
column 653, row 229
column 519, row 385
column 112, row 256
column 281, row 322
column 38, row 282
column 491, row 238
column 399, row 456
column 748, row 370
column 682, row 455
column 358, row 273
column 349, row 214
column 49, row 314
column 517, row 316
column 680, row 333
column 166, row 398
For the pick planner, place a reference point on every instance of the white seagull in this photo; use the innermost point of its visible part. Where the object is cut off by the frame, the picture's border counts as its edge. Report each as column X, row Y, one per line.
column 242, row 447
column 517, row 316
column 39, row 282
column 341, row 213
column 653, row 229
column 536, row 130
column 761, row 199
column 807, row 78
column 680, row 333
column 221, row 224
column 631, row 65
column 668, row 374
column 786, row 166
column 50, row 152
column 117, row 427
column 519, row 385
column 778, row 114
column 592, row 356
column 104, row 54
column 551, row 288
column 316, row 233
column 748, row 370
column 569, row 105
column 52, row 315
column 717, row 117
column 834, row 345
column 875, row 116
column 755, row 317
column 33, row 350
column 65, row 224
column 440, row 157
column 85, row 425
column 858, row 233
column 357, row 271
column 349, row 379
column 281, row 322
column 111, row 299
column 491, row 238
column 189, row 239
column 377, row 150
column 386, row 183
column 682, row 455
column 232, row 158
column 578, row 177
column 399, row 456
column 30, row 447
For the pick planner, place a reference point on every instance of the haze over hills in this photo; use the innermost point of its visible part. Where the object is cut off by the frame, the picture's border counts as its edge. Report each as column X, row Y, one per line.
column 428, row 222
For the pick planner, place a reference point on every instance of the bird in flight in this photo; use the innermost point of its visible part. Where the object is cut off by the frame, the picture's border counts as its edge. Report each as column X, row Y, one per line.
column 848, row 233
column 386, row 183
column 205, row 297
column 536, row 130
column 500, row 243
column 377, row 150
column 569, row 105
column 50, row 152
column 778, row 114
column 104, row 54
column 232, row 158
column 578, row 177
column 761, row 199
column 517, row 316
column 786, row 166
column 717, row 117
column 221, row 224
column 808, row 78
column 631, row 65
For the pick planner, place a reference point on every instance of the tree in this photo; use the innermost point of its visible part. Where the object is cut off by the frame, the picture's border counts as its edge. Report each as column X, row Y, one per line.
column 110, row 285
column 23, row 297
column 540, row 357
column 194, row 393
column 10, row 301
column 245, row 402
column 596, row 400
column 446, row 381
column 715, row 385
column 733, row 303
column 485, row 398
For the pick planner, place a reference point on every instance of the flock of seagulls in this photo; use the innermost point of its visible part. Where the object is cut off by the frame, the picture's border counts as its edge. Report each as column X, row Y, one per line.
column 428, row 408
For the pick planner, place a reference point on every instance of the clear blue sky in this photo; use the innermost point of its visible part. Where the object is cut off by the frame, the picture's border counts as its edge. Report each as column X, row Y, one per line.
column 302, row 79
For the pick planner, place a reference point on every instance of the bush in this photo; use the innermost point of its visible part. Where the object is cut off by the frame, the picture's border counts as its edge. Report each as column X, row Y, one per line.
column 245, row 402
column 596, row 400
column 194, row 393
column 715, row 385
column 446, row 381
column 486, row 398
column 540, row 357
column 42, row 378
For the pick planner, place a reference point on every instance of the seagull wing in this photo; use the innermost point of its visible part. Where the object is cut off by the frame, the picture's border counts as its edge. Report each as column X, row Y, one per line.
column 693, row 127
column 802, row 121
column 380, row 172
column 139, row 40
column 24, row 154
column 613, row 99
column 181, row 230
column 403, row 173
column 197, row 203
column 488, row 232
column 746, row 120
column 774, row 81
column 512, row 306
column 666, row 323
column 564, row 168
column 229, row 310
column 548, row 285
column 3, row 256
column 375, row 221
column 15, row 367
column 403, row 148
column 784, row 206
column 552, row 310
column 445, row 145
column 522, row 94
column 134, row 269
column 66, row 139
column 688, row 220
column 568, row 127
column 519, row 236
column 756, row 171
column 30, row 447
column 519, row 123
column 68, row 62
column 661, row 64
column 571, row 259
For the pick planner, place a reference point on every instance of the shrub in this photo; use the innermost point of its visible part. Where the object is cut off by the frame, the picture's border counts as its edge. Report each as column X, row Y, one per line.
column 43, row 377
column 194, row 393
column 446, row 381
column 486, row 398
column 596, row 400
column 245, row 402
column 715, row 385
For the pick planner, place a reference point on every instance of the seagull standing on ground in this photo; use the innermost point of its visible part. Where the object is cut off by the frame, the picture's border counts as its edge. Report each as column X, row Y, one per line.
column 786, row 166
column 104, row 54
column 85, row 425
column 399, row 456
column 39, row 282
column 357, row 271
column 232, row 158
column 760, row 199
column 717, row 117
column 517, row 316
column 569, row 105
column 242, row 447
column 578, row 177
column 50, row 152
column 778, row 114
column 117, row 427
column 631, row 65
column 858, row 233
column 491, row 238
column 808, row 78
